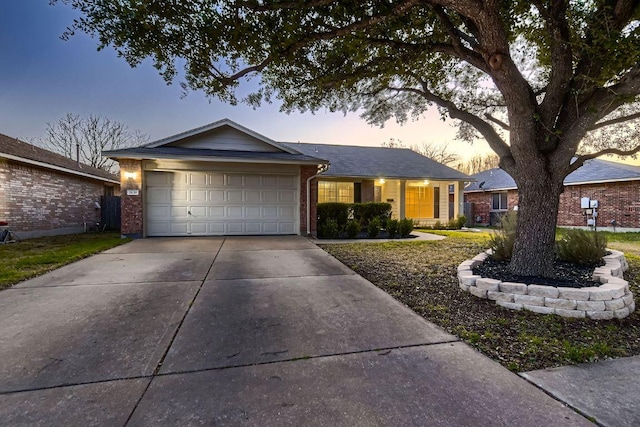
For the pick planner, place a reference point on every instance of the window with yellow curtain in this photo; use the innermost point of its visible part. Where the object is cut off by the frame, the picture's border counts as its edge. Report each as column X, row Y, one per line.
column 421, row 202
column 334, row 191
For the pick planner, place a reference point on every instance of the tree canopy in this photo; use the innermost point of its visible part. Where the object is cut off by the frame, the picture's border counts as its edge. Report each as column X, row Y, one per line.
column 533, row 78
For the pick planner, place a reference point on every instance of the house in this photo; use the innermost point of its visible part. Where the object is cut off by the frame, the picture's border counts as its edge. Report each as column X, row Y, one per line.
column 615, row 186
column 44, row 193
column 225, row 179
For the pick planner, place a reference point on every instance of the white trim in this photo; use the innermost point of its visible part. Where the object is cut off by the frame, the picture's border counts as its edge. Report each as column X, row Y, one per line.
column 57, row 168
column 604, row 181
column 216, row 125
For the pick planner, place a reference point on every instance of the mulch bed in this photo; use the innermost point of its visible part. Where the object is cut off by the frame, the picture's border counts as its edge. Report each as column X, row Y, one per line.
column 565, row 274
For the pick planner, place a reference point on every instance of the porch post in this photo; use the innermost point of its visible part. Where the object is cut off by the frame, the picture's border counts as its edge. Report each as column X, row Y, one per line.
column 403, row 188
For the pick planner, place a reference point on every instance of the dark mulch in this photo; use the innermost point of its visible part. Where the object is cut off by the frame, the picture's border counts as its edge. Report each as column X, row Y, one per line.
column 565, row 274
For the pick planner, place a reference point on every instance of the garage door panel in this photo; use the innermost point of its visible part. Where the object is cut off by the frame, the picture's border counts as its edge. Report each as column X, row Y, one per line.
column 158, row 195
column 234, row 196
column 159, row 212
column 234, row 211
column 253, row 196
column 179, row 228
column 212, row 203
column 179, row 212
column 252, row 181
column 286, row 182
column 269, row 181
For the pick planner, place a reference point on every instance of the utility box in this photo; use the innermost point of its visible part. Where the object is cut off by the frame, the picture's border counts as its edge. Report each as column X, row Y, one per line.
column 593, row 204
column 585, row 203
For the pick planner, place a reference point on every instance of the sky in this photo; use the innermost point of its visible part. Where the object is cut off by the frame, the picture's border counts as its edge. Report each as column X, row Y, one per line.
column 42, row 78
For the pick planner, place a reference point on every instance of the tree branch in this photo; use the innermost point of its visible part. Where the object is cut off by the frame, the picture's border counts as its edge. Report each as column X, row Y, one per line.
column 615, row 121
column 495, row 141
column 500, row 123
column 615, row 151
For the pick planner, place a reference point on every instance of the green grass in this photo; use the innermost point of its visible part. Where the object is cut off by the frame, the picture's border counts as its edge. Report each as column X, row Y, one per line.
column 33, row 257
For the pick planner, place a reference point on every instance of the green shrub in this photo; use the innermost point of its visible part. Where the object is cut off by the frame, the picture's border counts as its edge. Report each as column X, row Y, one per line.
column 581, row 247
column 405, row 227
column 353, row 229
column 330, row 229
column 336, row 211
column 462, row 220
column 392, row 228
column 501, row 241
column 374, row 227
column 438, row 226
column 365, row 212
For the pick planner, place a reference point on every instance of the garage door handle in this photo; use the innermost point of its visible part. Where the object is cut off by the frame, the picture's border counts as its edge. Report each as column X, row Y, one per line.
column 189, row 213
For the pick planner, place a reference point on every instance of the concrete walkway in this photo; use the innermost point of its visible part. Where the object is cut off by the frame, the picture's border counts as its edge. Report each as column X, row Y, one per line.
column 240, row 331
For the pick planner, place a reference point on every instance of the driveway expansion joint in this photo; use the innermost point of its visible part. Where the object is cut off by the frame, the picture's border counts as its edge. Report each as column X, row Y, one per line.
column 382, row 351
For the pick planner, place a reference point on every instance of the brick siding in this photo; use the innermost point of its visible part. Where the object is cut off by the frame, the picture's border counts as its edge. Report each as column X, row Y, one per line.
column 131, row 223
column 35, row 199
column 619, row 201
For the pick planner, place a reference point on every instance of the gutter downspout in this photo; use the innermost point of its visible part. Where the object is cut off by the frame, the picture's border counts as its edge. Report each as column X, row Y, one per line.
column 321, row 169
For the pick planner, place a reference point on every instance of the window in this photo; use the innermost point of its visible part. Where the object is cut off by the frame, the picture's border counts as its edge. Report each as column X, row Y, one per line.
column 422, row 202
column 499, row 201
column 334, row 191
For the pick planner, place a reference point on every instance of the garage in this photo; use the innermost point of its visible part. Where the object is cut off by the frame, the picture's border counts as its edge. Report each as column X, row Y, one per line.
column 209, row 203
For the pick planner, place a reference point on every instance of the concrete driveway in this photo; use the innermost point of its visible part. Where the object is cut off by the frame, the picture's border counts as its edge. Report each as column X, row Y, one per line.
column 240, row 331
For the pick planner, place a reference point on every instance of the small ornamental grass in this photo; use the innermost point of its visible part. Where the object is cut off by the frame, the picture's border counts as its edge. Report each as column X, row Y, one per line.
column 501, row 242
column 581, row 247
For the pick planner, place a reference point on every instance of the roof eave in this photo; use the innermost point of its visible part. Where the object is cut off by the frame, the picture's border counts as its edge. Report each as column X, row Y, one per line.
column 57, row 168
column 422, row 177
column 211, row 159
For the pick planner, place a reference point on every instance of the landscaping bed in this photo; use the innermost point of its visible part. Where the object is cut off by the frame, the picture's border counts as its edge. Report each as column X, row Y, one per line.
column 423, row 275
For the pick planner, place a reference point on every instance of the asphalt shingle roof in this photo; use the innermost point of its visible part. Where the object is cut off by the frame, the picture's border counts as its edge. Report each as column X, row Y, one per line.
column 17, row 148
column 378, row 162
column 170, row 152
column 592, row 171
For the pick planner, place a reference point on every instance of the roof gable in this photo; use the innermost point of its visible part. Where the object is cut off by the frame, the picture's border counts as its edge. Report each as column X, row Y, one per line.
column 223, row 135
column 20, row 151
column 378, row 162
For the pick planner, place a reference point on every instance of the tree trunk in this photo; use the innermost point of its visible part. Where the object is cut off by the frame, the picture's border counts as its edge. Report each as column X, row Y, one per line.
column 534, row 248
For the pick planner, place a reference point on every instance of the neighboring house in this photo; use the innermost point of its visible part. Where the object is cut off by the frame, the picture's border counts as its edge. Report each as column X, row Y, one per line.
column 615, row 186
column 225, row 179
column 44, row 193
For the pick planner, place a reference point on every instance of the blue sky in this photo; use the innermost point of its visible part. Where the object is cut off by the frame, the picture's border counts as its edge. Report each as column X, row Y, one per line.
column 42, row 78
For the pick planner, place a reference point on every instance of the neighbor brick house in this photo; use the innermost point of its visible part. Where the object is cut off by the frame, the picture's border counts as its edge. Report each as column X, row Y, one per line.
column 44, row 193
column 616, row 187
column 225, row 179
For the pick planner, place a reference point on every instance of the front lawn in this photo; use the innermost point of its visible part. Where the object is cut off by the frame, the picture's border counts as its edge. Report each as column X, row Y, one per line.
column 422, row 275
column 30, row 258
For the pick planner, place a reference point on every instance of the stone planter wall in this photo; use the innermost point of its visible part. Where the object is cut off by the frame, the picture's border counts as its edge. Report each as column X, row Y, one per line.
column 610, row 300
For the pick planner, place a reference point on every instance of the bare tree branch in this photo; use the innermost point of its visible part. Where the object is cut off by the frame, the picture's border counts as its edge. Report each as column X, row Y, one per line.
column 615, row 151
column 499, row 122
column 615, row 121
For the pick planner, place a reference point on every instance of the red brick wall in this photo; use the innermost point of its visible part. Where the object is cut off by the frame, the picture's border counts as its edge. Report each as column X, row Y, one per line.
column 619, row 201
column 305, row 173
column 39, row 200
column 131, row 206
column 368, row 191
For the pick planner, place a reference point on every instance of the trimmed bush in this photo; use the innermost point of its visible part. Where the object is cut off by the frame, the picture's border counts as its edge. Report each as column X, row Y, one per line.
column 392, row 228
column 365, row 212
column 581, row 247
column 353, row 229
column 336, row 211
column 405, row 227
column 330, row 229
column 374, row 227
column 501, row 242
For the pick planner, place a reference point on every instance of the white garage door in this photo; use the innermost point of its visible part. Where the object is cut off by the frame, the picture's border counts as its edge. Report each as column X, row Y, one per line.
column 216, row 203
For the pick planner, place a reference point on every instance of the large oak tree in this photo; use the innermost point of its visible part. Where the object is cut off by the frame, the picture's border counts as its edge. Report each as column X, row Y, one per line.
column 533, row 78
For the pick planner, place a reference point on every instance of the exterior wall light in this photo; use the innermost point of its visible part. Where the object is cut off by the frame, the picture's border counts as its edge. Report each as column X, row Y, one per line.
column 130, row 175
column 381, row 181
column 426, row 182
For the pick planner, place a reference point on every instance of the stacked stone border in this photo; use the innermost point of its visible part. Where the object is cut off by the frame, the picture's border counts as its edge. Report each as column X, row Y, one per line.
column 610, row 300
